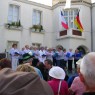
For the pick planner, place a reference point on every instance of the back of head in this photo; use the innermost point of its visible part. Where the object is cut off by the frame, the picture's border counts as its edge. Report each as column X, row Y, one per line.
column 26, row 68
column 87, row 69
column 49, row 62
column 5, row 63
column 35, row 62
column 22, row 83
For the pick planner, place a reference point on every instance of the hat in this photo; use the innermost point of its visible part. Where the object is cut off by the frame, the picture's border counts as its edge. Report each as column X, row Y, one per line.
column 27, row 56
column 21, row 83
column 57, row 72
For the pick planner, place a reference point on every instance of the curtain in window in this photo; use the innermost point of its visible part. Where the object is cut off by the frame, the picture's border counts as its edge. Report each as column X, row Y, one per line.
column 13, row 15
column 36, row 17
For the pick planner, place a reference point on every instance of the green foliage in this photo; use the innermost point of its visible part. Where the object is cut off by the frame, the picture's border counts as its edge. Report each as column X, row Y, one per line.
column 15, row 24
column 39, row 27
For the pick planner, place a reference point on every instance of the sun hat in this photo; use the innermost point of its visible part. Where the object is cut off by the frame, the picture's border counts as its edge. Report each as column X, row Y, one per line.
column 57, row 72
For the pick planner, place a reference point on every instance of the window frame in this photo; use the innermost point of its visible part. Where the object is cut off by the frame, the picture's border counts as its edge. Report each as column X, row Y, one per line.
column 70, row 14
column 41, row 13
column 14, row 6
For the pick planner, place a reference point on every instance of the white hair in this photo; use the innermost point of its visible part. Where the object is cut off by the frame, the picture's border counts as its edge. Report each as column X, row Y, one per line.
column 87, row 68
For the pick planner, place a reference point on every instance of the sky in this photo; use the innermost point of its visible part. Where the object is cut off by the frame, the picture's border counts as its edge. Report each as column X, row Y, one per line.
column 48, row 2
column 93, row 1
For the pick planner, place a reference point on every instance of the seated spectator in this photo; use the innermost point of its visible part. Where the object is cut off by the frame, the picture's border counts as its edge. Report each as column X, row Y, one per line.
column 5, row 63
column 87, row 73
column 22, row 83
column 58, row 85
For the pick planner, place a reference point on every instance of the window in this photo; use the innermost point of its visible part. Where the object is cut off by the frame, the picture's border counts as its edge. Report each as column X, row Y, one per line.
column 69, row 16
column 36, row 17
column 13, row 15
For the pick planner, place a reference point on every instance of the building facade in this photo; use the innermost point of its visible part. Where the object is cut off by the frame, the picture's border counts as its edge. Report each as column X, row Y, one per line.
column 25, row 22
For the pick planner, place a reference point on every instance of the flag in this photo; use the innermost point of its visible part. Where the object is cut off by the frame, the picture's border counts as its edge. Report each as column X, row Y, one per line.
column 63, row 21
column 78, row 23
column 68, row 4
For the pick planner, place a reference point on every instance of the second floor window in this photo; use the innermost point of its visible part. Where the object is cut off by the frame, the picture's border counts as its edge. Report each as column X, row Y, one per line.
column 36, row 20
column 13, row 15
column 69, row 16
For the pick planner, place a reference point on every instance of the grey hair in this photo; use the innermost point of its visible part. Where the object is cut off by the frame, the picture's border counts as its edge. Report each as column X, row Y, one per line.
column 28, row 61
column 87, row 68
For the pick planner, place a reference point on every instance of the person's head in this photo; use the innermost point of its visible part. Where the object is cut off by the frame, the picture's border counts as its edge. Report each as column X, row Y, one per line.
column 59, row 48
column 14, row 46
column 31, row 48
column 25, row 68
column 49, row 49
column 87, row 71
column 70, row 50
column 57, row 73
column 42, row 48
column 23, row 49
column 35, row 62
column 76, row 51
column 27, row 58
column 48, row 63
column 5, row 63
column 27, row 46
column 64, row 50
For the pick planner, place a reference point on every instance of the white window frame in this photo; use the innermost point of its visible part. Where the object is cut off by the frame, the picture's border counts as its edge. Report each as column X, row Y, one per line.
column 34, row 10
column 69, row 16
column 13, row 13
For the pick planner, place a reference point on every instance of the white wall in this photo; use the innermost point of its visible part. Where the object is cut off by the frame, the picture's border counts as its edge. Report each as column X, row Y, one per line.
column 93, row 25
column 74, row 42
column 25, row 37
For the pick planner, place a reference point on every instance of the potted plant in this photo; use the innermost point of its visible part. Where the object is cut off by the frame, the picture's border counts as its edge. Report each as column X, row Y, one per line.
column 37, row 27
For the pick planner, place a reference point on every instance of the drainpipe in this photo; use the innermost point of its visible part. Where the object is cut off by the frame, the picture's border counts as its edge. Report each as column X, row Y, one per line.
column 91, row 30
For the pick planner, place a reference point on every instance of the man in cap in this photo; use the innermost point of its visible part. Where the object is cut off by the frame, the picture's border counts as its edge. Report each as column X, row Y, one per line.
column 27, row 59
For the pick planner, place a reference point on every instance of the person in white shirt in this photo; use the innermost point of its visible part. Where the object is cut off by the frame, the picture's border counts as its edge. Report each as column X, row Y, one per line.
column 27, row 49
column 42, row 55
column 65, row 58
column 49, row 54
column 70, row 55
column 14, row 52
column 36, row 52
column 60, row 57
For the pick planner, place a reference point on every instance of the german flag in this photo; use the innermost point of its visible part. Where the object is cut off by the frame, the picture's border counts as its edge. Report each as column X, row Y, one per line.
column 78, row 23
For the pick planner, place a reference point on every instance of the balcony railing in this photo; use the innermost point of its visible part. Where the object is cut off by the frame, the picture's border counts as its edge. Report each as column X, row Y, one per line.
column 70, row 32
